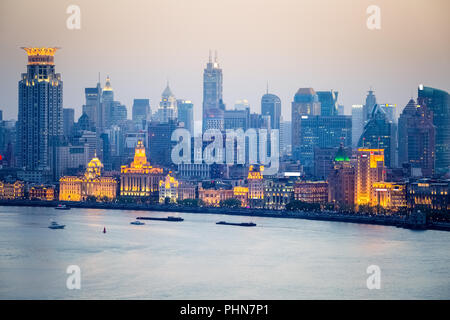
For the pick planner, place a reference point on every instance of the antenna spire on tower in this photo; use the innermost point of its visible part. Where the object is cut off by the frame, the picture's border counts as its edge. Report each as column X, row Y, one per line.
column 215, row 56
column 210, row 59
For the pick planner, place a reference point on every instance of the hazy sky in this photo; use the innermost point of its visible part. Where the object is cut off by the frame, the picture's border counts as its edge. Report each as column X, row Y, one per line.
column 323, row 44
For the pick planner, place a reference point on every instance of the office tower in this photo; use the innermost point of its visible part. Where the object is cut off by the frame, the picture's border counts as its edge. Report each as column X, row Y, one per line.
column 322, row 132
column 213, row 106
column 93, row 103
column 68, row 121
column 341, row 180
column 271, row 106
column 104, row 113
column 159, row 142
column 117, row 114
column 380, row 133
column 40, row 118
column 1, row 115
column 357, row 123
column 438, row 102
column 416, row 138
column 341, row 110
column 186, row 114
column 140, row 112
column 306, row 103
column 369, row 169
column 371, row 101
column 167, row 110
column 8, row 139
column 285, row 137
column 328, row 103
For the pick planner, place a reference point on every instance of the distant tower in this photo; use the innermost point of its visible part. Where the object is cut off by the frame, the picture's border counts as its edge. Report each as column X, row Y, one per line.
column 438, row 102
column 167, row 110
column 140, row 112
column 416, row 138
column 369, row 169
column 213, row 106
column 271, row 106
column 371, row 101
column 40, row 117
column 306, row 103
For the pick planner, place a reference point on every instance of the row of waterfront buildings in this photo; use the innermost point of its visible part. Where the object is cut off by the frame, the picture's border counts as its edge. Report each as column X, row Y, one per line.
column 357, row 181
column 321, row 149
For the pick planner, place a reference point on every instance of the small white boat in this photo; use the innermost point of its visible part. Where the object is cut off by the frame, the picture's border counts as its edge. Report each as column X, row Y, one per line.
column 137, row 223
column 56, row 225
column 62, row 207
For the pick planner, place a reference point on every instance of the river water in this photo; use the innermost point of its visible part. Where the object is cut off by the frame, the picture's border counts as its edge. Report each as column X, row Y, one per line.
column 197, row 259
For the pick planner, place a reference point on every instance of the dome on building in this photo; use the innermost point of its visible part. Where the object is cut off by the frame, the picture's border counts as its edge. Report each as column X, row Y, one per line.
column 108, row 86
column 167, row 92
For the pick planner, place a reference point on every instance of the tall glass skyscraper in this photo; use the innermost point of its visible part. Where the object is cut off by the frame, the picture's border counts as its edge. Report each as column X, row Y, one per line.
column 186, row 114
column 140, row 111
column 213, row 106
column 40, row 118
column 271, row 106
column 438, row 101
column 328, row 103
column 416, row 138
column 371, row 101
column 306, row 103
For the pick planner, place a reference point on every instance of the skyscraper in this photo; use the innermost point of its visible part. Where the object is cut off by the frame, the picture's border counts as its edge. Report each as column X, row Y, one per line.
column 438, row 101
column 271, row 106
column 371, row 101
column 380, row 133
column 369, row 169
column 40, row 118
column 68, row 121
column 306, row 103
column 328, row 103
column 186, row 114
column 416, row 138
column 93, row 103
column 357, row 123
column 322, row 132
column 213, row 106
column 341, row 181
column 141, row 111
column 167, row 110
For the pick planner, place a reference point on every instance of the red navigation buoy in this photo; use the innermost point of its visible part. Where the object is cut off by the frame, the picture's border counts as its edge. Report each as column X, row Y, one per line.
column 104, row 229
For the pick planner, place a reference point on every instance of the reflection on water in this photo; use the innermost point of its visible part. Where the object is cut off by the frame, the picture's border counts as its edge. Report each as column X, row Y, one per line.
column 197, row 259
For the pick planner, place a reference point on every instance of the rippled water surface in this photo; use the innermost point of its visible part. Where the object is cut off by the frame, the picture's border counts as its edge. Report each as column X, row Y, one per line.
column 197, row 259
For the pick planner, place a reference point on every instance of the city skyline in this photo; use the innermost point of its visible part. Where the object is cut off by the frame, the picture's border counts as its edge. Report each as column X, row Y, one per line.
column 361, row 62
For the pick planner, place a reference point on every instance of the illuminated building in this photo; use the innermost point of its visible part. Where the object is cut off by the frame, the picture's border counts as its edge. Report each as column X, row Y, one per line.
column 168, row 189
column 91, row 184
column 40, row 117
column 213, row 197
column 429, row 194
column 241, row 193
column 416, row 138
column 369, row 169
column 11, row 191
column 311, row 191
column 255, row 186
column 341, row 181
column 389, row 195
column 213, row 106
column 278, row 193
column 140, row 179
column 44, row 193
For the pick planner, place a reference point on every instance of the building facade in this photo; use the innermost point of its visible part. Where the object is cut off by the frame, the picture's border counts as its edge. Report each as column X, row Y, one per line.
column 40, row 118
